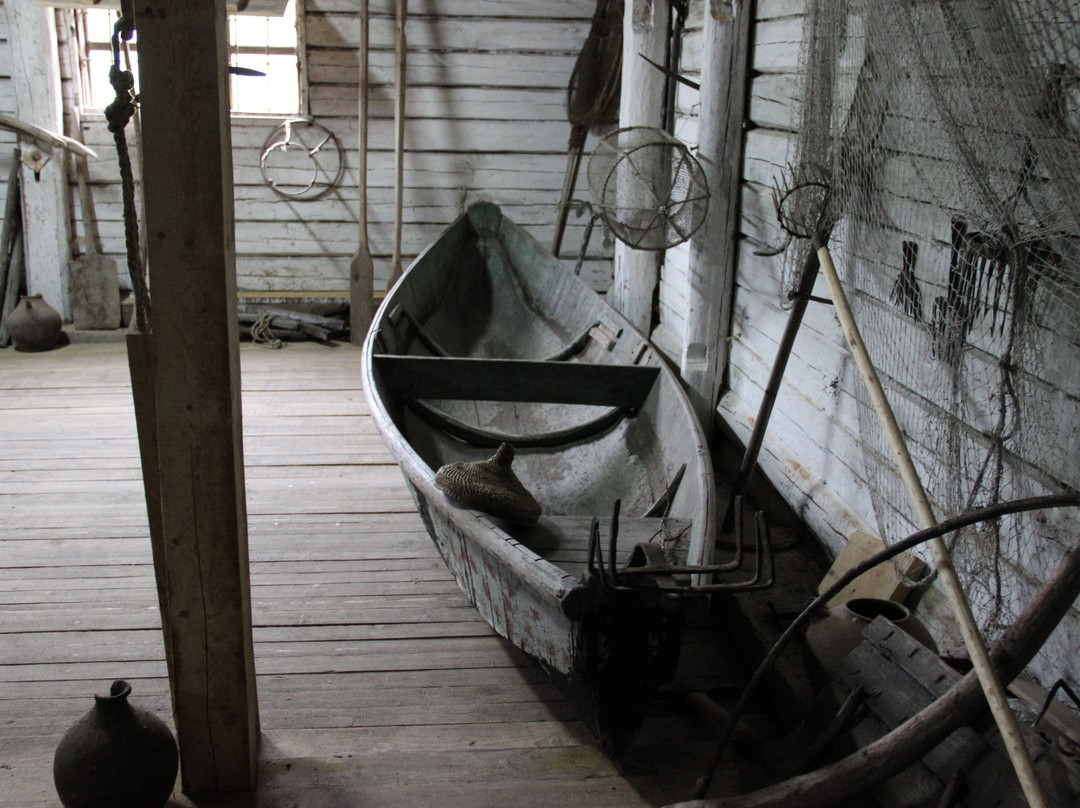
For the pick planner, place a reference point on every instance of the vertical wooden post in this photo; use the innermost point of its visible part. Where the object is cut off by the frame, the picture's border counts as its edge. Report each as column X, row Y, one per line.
column 714, row 248
column 645, row 32
column 189, row 216
column 36, row 79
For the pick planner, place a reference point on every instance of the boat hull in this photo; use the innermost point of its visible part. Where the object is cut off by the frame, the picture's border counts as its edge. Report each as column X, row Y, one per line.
column 487, row 291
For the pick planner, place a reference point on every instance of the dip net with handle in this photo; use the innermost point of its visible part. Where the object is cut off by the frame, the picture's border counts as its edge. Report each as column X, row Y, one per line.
column 944, row 139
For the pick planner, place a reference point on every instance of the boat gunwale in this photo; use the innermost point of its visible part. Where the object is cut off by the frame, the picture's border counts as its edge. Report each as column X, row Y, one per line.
column 539, row 572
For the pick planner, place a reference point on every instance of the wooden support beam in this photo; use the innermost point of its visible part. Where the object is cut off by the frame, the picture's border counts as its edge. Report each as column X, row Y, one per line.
column 189, row 216
column 36, row 80
column 645, row 31
column 713, row 249
column 516, row 380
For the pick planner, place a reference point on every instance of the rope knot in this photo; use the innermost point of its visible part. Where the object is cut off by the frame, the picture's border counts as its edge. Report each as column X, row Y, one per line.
column 121, row 110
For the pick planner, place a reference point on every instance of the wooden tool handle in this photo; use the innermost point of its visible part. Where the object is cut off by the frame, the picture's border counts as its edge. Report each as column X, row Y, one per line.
column 361, row 162
column 399, row 134
column 980, row 658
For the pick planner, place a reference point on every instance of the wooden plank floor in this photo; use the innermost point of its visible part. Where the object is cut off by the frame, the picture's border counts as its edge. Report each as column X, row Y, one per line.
column 378, row 683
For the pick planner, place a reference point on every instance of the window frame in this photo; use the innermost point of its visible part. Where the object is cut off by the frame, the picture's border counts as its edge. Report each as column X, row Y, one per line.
column 85, row 46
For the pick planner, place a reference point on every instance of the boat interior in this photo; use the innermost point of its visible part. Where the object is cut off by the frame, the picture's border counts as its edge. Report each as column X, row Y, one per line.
column 502, row 350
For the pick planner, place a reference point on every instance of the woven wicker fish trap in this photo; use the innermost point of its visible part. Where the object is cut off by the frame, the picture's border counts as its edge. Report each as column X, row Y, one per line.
column 490, row 486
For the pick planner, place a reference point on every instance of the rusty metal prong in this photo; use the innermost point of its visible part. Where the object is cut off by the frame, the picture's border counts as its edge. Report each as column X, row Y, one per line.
column 759, row 520
column 594, row 542
column 762, row 553
column 602, row 574
column 736, row 562
column 764, row 558
column 767, row 546
column 613, row 542
column 763, row 549
column 1060, row 684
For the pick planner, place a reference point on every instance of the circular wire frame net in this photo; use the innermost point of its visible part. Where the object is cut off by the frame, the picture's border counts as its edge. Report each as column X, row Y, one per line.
column 302, row 160
column 648, row 187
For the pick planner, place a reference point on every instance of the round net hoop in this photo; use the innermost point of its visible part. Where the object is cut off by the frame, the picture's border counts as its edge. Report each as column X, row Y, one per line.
column 649, row 188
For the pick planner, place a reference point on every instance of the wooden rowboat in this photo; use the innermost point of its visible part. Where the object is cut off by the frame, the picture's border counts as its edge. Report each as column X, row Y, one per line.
column 488, row 339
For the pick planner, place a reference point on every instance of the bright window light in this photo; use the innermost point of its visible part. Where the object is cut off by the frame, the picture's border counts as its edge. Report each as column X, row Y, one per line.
column 263, row 44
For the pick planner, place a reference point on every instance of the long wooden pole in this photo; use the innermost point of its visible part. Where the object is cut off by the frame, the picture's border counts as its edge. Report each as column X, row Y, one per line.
column 800, row 301
column 13, row 124
column 400, row 48
column 362, row 269
column 950, row 581
column 578, row 134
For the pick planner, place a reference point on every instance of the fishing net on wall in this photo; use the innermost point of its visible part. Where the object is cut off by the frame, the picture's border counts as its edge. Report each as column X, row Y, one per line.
column 944, row 138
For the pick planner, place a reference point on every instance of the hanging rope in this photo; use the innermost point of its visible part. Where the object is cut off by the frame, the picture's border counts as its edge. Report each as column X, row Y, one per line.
column 118, row 113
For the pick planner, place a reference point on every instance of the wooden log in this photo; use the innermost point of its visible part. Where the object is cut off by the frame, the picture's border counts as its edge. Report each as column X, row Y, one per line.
column 640, row 104
column 189, row 212
column 335, row 324
column 281, row 323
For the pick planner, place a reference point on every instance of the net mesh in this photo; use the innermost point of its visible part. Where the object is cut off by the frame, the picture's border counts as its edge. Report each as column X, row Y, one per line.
column 938, row 153
column 592, row 97
column 649, row 188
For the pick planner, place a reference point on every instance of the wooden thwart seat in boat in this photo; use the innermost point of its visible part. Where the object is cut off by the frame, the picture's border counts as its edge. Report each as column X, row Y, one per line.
column 541, row 381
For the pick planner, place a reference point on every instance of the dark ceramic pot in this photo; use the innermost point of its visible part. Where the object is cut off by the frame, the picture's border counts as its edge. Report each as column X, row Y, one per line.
column 835, row 635
column 34, row 325
column 116, row 755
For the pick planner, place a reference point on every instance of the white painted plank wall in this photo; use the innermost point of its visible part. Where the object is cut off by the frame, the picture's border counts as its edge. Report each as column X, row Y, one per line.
column 485, row 120
column 7, row 105
column 813, row 452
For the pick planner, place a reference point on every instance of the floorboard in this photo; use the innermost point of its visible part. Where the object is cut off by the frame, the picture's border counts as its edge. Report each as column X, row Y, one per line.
column 378, row 683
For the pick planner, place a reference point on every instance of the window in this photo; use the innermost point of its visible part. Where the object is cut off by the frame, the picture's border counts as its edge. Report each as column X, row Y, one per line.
column 263, row 44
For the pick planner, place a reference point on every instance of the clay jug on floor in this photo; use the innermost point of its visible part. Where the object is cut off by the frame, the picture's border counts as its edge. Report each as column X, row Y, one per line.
column 34, row 325
column 116, row 755
column 835, row 635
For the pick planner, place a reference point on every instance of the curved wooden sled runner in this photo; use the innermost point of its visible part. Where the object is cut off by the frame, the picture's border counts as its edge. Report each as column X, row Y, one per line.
column 487, row 338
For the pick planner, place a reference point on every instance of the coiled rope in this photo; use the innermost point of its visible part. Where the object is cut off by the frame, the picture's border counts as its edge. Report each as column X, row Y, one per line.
column 261, row 333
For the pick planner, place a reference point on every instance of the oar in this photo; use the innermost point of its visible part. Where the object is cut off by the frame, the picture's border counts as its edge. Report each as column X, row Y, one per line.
column 954, row 592
column 362, row 269
column 399, row 135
